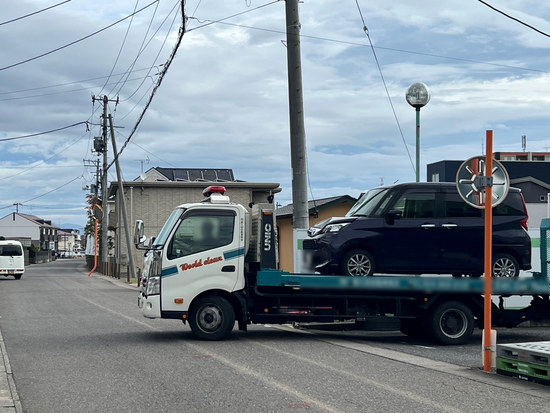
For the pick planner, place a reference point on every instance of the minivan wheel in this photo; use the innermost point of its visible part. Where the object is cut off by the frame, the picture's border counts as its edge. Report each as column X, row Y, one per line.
column 505, row 265
column 358, row 263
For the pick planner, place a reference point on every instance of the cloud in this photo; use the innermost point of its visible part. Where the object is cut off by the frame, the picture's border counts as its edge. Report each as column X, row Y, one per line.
column 224, row 101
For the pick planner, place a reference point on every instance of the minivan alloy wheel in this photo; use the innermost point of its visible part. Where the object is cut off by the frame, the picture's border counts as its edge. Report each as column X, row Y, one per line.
column 504, row 265
column 358, row 263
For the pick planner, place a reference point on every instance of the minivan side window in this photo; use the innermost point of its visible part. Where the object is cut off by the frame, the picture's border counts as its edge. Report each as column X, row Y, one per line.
column 455, row 207
column 415, row 204
column 202, row 231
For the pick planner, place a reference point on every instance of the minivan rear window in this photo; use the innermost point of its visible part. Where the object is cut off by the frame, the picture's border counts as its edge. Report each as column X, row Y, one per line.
column 512, row 206
column 10, row 250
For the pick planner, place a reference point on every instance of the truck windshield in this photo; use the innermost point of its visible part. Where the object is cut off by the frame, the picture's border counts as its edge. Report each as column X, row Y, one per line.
column 10, row 250
column 366, row 204
column 167, row 228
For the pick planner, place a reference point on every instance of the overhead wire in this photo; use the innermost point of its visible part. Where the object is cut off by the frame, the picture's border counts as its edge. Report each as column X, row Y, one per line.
column 142, row 48
column 159, row 82
column 156, row 57
column 151, row 153
column 79, row 40
column 46, row 193
column 121, row 46
column 392, row 49
column 34, row 13
column 514, row 18
column 366, row 30
column 46, row 132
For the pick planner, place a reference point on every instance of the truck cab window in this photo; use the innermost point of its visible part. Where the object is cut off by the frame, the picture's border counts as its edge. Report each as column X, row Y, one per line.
column 201, row 232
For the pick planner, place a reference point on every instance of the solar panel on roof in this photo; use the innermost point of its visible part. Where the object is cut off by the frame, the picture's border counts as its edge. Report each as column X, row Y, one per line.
column 195, row 175
column 225, row 174
column 181, row 175
column 210, row 175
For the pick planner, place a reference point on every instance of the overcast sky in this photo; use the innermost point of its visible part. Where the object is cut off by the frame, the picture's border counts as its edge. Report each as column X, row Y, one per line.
column 224, row 101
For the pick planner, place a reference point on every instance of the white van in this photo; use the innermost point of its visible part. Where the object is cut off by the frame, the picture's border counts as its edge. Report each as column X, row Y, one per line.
column 12, row 260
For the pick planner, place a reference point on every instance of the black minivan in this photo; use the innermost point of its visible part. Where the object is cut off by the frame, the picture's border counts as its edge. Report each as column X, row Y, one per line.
column 421, row 228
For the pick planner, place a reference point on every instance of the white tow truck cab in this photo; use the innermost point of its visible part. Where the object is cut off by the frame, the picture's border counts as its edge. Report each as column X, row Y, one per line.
column 215, row 263
column 195, row 269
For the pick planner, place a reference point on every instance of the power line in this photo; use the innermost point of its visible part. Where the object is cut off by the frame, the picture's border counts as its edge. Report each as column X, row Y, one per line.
column 391, row 49
column 150, row 153
column 65, row 91
column 69, row 83
column 33, row 13
column 514, row 18
column 53, row 190
column 46, row 132
column 144, row 46
column 156, row 57
column 366, row 30
column 121, row 47
column 79, row 40
column 159, row 82
column 210, row 22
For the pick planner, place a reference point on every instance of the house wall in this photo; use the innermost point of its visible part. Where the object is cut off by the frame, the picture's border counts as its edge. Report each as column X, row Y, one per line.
column 154, row 205
column 20, row 227
column 286, row 252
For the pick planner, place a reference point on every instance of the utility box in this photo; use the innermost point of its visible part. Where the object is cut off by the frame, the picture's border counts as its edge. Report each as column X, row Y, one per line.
column 544, row 245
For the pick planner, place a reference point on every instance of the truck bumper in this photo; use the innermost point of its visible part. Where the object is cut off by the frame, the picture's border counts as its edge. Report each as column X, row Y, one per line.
column 150, row 306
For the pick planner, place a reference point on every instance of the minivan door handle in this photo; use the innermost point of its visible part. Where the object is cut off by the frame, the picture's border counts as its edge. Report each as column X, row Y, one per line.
column 449, row 225
column 428, row 226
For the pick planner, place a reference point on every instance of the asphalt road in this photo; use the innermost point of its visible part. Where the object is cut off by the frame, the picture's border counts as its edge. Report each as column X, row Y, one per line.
column 79, row 344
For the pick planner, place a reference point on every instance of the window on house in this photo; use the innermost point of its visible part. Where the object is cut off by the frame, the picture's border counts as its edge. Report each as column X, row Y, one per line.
column 435, row 177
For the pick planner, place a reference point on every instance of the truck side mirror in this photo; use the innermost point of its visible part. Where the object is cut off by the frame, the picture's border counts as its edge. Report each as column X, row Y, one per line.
column 139, row 228
column 392, row 215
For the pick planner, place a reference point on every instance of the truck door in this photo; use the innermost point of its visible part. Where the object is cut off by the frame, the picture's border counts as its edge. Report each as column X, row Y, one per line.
column 206, row 252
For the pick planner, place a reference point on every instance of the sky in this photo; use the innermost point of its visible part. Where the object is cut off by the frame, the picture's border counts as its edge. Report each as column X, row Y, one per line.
column 223, row 102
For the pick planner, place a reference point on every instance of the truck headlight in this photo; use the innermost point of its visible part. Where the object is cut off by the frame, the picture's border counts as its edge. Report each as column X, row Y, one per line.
column 155, row 271
column 335, row 227
column 153, row 286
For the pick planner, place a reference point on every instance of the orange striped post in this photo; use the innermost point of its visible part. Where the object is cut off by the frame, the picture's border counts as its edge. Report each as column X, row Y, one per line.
column 488, row 254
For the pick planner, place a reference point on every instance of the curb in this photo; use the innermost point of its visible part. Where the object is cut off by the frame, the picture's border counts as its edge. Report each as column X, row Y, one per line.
column 9, row 398
column 120, row 283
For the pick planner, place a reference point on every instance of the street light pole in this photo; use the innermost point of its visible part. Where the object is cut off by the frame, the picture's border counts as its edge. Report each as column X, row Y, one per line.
column 417, row 144
column 418, row 95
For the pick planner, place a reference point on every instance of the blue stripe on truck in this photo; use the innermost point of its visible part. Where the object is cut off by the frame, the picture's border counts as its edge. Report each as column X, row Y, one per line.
column 229, row 255
column 167, row 272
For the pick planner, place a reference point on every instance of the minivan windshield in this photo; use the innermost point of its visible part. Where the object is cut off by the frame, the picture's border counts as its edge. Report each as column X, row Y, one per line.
column 10, row 250
column 167, row 228
column 367, row 203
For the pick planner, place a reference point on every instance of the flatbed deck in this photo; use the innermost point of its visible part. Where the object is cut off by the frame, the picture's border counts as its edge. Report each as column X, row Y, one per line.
column 535, row 285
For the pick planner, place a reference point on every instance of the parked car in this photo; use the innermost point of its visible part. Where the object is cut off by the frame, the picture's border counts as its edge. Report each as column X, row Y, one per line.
column 12, row 259
column 421, row 228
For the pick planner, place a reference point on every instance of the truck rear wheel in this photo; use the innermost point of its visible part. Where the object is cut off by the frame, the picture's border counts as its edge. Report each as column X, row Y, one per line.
column 17, row 276
column 212, row 318
column 451, row 323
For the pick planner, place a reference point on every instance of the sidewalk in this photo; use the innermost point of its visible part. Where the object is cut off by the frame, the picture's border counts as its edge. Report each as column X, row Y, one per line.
column 9, row 399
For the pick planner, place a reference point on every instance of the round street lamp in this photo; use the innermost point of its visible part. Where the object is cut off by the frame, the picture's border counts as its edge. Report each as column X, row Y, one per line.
column 418, row 95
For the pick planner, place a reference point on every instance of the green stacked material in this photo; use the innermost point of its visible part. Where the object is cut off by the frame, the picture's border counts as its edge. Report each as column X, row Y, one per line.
column 544, row 244
column 527, row 361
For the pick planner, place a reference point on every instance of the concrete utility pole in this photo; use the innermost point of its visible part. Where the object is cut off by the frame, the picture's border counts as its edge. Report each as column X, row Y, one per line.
column 123, row 204
column 104, row 189
column 298, row 152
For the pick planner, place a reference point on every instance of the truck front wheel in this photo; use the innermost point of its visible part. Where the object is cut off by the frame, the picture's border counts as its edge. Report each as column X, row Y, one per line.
column 451, row 323
column 212, row 318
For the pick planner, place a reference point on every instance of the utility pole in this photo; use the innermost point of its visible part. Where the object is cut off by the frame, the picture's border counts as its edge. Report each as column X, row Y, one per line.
column 298, row 152
column 123, row 204
column 104, row 189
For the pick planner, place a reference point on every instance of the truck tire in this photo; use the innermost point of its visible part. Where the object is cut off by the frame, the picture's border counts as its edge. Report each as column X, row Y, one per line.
column 358, row 263
column 212, row 318
column 17, row 276
column 505, row 265
column 451, row 323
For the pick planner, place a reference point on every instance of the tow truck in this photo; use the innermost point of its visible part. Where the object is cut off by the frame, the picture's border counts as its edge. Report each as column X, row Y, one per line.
column 214, row 263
